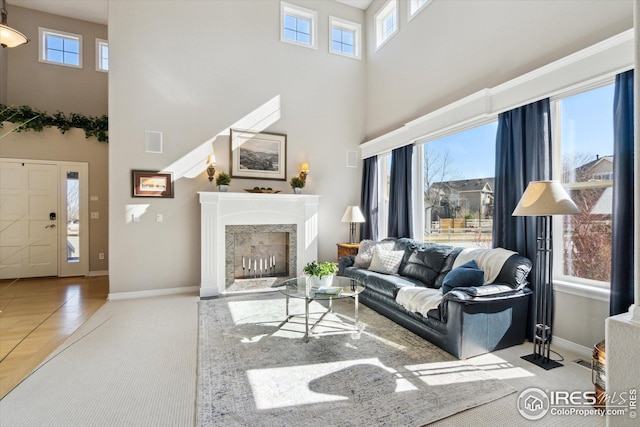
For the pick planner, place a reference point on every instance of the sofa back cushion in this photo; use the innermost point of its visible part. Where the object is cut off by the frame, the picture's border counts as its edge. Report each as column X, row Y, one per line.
column 428, row 263
column 515, row 271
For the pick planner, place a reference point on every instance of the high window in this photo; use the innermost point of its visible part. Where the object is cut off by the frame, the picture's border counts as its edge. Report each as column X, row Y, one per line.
column 458, row 175
column 584, row 139
column 299, row 25
column 58, row 47
column 386, row 22
column 102, row 55
column 416, row 6
column 345, row 37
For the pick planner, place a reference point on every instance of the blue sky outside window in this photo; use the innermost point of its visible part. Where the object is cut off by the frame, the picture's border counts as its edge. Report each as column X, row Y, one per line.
column 297, row 29
column 63, row 50
column 342, row 41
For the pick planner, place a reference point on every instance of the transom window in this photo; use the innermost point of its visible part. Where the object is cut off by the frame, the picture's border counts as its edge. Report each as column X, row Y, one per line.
column 386, row 22
column 299, row 25
column 58, row 47
column 416, row 6
column 345, row 37
column 102, row 55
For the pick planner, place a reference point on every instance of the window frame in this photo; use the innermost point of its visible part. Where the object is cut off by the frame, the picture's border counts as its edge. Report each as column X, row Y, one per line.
column 344, row 25
column 382, row 38
column 42, row 51
column 580, row 286
column 415, row 8
column 299, row 13
column 100, row 43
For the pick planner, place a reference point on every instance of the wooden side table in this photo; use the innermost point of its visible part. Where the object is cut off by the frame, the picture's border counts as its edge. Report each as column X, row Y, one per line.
column 345, row 249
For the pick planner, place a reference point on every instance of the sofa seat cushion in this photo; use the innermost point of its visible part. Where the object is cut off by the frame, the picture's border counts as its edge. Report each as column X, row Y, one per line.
column 384, row 284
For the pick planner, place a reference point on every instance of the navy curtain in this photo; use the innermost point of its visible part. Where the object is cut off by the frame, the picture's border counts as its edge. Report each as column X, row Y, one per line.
column 622, row 213
column 400, row 206
column 523, row 154
column 369, row 199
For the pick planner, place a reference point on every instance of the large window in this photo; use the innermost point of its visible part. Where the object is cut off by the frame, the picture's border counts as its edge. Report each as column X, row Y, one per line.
column 458, row 173
column 386, row 21
column 299, row 25
column 58, row 47
column 584, row 135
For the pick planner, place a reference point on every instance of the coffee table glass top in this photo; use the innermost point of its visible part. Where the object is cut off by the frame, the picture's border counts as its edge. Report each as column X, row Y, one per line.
column 297, row 288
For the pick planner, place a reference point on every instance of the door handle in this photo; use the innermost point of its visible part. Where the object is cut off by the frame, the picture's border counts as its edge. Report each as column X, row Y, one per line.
column 51, row 226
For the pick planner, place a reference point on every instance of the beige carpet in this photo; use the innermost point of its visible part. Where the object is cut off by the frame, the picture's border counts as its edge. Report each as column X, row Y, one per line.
column 253, row 370
column 132, row 364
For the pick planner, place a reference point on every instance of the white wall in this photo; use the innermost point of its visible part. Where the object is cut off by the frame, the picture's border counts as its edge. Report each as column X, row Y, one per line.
column 219, row 62
column 455, row 48
column 51, row 87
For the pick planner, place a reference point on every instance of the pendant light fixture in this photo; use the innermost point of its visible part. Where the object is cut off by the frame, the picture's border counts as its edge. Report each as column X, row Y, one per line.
column 8, row 36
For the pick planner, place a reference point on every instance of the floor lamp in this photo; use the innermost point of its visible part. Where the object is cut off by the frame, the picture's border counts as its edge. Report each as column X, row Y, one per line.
column 544, row 199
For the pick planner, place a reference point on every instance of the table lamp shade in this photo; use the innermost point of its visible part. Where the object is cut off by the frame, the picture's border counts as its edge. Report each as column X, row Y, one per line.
column 543, row 198
column 353, row 214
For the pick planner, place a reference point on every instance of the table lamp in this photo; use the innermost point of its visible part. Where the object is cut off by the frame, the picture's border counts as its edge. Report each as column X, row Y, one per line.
column 353, row 215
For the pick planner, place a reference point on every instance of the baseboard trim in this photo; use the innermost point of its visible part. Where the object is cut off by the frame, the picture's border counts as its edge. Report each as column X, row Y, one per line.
column 98, row 273
column 153, row 293
column 581, row 350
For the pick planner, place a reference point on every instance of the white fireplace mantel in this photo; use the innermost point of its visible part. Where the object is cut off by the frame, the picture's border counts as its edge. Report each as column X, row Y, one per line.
column 221, row 209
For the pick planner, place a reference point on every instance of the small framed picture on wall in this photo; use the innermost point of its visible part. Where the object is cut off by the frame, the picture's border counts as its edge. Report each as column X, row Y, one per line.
column 151, row 184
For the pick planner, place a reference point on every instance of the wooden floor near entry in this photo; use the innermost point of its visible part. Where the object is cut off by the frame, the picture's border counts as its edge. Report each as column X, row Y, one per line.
column 37, row 315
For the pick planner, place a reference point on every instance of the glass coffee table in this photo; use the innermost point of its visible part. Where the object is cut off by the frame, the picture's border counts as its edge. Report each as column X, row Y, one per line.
column 297, row 288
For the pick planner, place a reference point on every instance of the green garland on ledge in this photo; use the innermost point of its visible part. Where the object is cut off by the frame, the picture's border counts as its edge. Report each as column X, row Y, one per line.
column 35, row 120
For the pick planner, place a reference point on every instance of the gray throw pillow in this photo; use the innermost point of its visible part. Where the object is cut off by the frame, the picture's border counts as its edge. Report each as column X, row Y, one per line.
column 365, row 251
column 384, row 261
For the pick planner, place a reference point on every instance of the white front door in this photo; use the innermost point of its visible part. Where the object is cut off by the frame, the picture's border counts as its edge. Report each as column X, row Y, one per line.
column 28, row 219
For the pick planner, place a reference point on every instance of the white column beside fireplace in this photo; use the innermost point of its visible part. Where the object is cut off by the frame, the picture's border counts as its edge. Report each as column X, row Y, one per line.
column 221, row 209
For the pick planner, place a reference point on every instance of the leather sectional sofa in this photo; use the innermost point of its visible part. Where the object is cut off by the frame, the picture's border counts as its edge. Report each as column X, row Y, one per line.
column 470, row 320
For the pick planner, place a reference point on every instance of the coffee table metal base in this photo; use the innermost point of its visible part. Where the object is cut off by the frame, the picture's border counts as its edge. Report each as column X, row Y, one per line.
column 309, row 330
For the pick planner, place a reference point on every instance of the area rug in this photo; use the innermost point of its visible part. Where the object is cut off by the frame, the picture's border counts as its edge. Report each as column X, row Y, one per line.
column 256, row 370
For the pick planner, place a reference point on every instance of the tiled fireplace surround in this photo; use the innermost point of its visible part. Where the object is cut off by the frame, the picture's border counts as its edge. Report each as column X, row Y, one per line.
column 292, row 213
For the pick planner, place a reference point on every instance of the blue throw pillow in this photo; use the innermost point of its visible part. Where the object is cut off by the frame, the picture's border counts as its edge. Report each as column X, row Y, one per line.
column 464, row 276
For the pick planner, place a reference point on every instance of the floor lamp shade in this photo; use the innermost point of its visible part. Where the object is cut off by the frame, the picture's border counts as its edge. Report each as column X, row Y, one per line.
column 352, row 215
column 543, row 199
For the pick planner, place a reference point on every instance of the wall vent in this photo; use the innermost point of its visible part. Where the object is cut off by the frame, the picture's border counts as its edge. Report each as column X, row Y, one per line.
column 152, row 142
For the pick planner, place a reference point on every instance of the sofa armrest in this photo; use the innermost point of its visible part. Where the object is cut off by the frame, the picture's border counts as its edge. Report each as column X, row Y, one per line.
column 493, row 290
column 344, row 262
column 477, row 295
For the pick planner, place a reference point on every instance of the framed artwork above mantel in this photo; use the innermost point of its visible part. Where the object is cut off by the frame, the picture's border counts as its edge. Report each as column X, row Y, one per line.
column 258, row 155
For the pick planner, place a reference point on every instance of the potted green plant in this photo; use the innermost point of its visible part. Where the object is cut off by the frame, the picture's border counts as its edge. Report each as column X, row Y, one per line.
column 222, row 181
column 320, row 274
column 297, row 184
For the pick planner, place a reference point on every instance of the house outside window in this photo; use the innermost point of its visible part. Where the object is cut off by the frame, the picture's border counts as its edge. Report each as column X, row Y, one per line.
column 458, row 174
column 60, row 48
column 386, row 21
column 584, row 135
column 102, row 55
column 345, row 37
column 298, row 25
